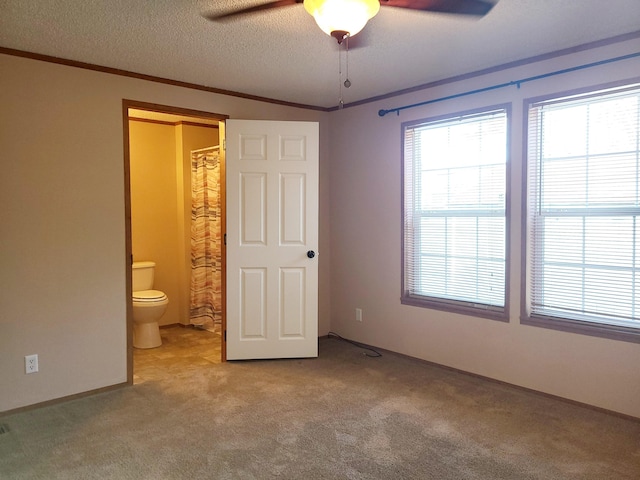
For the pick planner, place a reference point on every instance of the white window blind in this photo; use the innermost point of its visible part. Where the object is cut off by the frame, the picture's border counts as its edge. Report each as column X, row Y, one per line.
column 583, row 239
column 454, row 180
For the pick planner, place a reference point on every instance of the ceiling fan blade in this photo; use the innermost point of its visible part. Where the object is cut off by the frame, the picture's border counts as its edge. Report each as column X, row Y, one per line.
column 464, row 7
column 255, row 8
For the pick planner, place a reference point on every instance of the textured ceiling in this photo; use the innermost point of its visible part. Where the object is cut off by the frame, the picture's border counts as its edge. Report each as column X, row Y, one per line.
column 281, row 54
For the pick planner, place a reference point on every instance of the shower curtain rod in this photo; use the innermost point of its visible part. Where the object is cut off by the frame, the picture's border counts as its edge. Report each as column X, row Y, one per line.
column 517, row 83
column 206, row 149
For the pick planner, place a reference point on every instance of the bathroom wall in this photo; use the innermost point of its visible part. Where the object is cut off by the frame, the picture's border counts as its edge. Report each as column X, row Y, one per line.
column 161, row 204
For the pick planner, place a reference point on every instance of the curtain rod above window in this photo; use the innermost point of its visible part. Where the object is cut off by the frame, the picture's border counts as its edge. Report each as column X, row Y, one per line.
column 517, row 83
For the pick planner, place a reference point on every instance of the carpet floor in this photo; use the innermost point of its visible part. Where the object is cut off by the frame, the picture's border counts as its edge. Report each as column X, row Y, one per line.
column 343, row 415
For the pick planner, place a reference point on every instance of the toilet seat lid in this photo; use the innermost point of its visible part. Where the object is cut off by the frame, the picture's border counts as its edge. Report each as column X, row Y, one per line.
column 149, row 295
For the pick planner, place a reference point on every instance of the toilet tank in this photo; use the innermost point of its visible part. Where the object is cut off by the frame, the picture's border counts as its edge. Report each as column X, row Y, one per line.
column 142, row 276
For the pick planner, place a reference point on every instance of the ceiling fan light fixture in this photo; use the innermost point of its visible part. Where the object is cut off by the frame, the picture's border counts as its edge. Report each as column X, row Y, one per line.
column 342, row 15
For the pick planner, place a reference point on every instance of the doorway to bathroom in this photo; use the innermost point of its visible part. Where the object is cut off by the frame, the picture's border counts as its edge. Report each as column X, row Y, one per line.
column 169, row 154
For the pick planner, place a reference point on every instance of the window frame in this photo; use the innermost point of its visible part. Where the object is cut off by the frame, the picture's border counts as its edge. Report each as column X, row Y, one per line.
column 448, row 305
column 583, row 327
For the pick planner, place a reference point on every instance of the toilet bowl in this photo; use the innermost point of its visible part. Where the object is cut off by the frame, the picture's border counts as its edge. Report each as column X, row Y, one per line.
column 148, row 306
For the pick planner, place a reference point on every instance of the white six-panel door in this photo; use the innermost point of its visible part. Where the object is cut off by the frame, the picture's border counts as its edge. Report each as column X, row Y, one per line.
column 272, row 239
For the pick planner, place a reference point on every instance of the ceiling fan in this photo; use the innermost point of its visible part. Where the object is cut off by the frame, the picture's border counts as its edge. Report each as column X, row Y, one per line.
column 344, row 18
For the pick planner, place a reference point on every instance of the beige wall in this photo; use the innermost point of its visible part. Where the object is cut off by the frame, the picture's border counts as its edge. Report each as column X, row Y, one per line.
column 160, row 168
column 62, row 221
column 62, row 228
column 366, row 251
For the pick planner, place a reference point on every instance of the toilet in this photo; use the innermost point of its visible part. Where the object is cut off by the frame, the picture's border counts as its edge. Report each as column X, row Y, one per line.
column 148, row 306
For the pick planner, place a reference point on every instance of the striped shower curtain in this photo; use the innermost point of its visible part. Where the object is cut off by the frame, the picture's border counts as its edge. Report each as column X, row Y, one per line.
column 206, row 267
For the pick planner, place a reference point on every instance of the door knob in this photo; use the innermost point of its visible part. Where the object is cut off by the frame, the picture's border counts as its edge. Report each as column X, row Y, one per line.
column 311, row 254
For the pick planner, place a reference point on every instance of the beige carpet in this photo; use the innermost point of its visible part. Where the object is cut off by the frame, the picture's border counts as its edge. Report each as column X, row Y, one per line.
column 341, row 416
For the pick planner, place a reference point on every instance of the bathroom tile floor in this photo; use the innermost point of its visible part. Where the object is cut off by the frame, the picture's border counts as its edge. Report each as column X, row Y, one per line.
column 181, row 348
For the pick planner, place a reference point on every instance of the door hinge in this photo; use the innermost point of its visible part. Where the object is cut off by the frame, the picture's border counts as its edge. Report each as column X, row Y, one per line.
column 225, row 238
column 224, row 144
column 225, row 335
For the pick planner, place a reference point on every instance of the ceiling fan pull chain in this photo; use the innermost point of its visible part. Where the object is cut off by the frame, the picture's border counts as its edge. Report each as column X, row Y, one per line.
column 340, row 101
column 347, row 82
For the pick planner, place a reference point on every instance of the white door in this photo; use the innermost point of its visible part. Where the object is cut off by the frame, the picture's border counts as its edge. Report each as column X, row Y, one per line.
column 272, row 239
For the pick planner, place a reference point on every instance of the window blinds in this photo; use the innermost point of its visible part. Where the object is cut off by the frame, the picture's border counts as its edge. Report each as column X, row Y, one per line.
column 583, row 235
column 454, row 211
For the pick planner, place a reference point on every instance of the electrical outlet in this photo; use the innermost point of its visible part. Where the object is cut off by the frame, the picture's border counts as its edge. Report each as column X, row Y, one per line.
column 358, row 314
column 31, row 364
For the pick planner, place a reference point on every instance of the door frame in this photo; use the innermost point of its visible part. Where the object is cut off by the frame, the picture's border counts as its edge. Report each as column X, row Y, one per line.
column 158, row 108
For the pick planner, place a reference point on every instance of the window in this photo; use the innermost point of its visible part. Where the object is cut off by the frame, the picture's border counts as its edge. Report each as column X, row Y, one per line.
column 454, row 206
column 583, row 214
